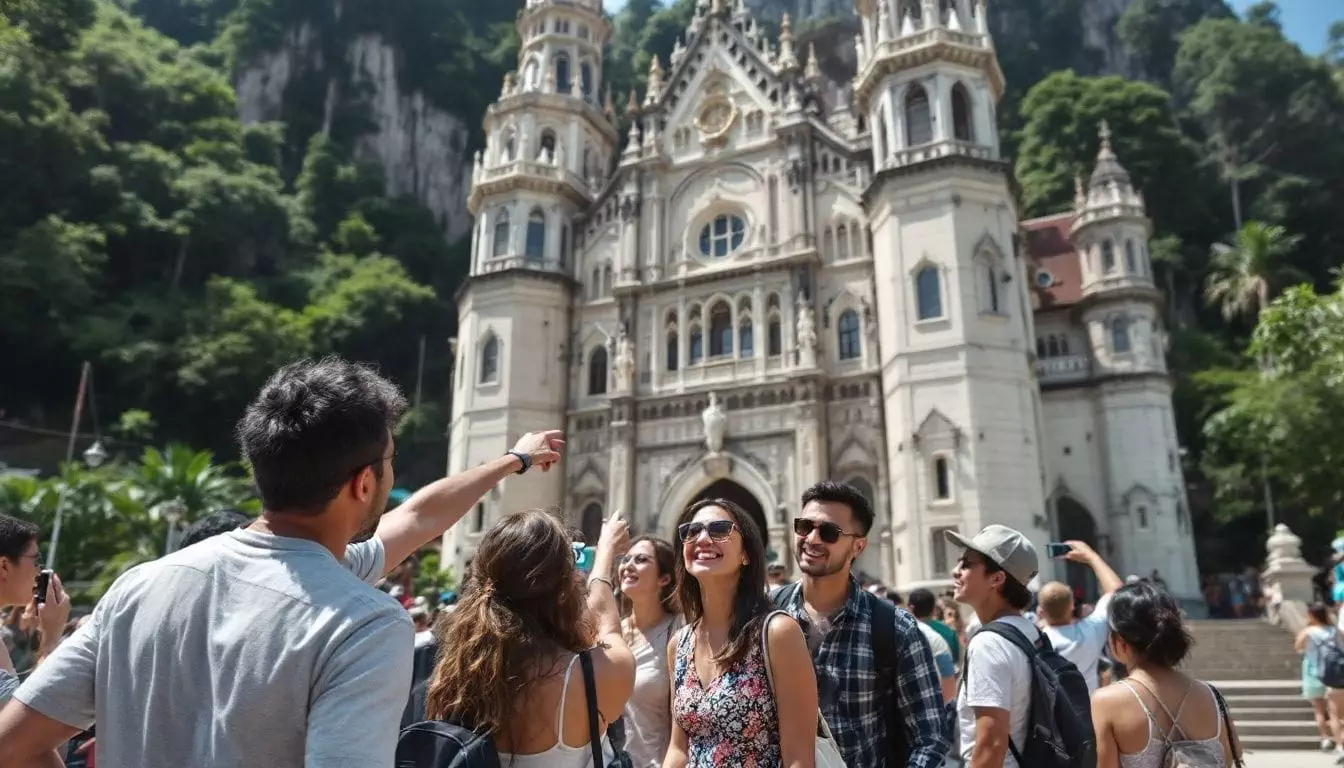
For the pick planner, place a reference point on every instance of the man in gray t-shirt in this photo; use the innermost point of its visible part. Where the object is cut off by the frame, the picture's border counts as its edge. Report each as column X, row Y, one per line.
column 266, row 646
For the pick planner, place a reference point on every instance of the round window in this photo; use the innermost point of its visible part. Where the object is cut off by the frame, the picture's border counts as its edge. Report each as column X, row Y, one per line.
column 1044, row 279
column 722, row 236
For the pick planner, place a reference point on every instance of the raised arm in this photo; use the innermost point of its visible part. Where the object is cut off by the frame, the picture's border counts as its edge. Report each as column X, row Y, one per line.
column 432, row 510
column 613, row 663
column 1107, row 578
column 795, row 683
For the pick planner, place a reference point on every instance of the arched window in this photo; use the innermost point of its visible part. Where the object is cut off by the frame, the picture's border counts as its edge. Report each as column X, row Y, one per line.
column 531, row 75
column 597, row 372
column 962, row 128
column 590, row 523
column 1052, row 346
column 942, row 479
column 547, row 152
column 536, row 235
column 722, row 236
column 595, row 287
column 990, row 278
column 697, row 350
column 720, row 330
column 775, row 338
column 562, row 79
column 500, row 246
column 673, row 353
column 586, row 80
column 928, row 294
column 606, row 280
column 1131, row 263
column 841, row 242
column 1120, row 335
column 918, row 119
column 848, row 335
column 1107, row 256
column 490, row 360
column 746, row 341
column 509, row 149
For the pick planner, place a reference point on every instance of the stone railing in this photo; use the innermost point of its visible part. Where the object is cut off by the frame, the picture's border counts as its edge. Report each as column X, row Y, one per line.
column 934, row 150
column 1287, row 578
column 1053, row 370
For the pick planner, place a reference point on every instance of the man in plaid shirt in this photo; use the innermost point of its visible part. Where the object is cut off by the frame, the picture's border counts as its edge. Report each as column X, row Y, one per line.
column 829, row 534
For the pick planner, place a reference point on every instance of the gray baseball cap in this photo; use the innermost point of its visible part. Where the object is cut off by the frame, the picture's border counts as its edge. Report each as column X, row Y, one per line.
column 1006, row 547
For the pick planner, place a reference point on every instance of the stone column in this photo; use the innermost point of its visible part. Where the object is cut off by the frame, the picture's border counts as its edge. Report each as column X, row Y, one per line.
column 760, row 327
column 653, row 256
column 810, row 444
column 1285, row 570
column 621, row 472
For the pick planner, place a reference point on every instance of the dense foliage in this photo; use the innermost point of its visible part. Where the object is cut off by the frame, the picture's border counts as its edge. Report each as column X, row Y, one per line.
column 144, row 228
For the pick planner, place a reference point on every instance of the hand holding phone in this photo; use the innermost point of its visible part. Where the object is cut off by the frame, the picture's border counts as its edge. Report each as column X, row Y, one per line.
column 1056, row 550
column 43, row 582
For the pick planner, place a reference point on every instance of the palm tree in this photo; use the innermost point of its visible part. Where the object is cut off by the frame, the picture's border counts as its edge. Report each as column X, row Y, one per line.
column 1244, row 276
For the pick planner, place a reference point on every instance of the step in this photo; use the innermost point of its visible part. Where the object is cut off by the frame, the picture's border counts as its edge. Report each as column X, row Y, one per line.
column 1265, row 714
column 1294, row 703
column 1292, row 742
column 1248, row 728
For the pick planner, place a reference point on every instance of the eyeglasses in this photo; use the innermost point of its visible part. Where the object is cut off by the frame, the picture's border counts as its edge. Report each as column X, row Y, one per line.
column 36, row 556
column 829, row 532
column 639, row 559
column 719, row 530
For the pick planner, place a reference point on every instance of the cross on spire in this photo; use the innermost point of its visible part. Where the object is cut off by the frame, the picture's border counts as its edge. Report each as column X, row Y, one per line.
column 1105, row 133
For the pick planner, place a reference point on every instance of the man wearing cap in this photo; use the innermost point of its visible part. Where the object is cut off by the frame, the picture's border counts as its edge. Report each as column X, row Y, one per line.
column 994, row 704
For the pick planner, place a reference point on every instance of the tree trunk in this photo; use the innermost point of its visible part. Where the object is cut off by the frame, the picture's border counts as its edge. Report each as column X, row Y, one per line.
column 181, row 264
column 1236, row 200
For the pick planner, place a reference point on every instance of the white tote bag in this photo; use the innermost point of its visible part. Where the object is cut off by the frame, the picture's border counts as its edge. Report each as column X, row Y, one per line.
column 827, row 753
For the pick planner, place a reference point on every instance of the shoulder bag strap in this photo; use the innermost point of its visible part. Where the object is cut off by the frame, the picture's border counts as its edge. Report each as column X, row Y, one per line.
column 590, row 691
column 765, row 649
column 1227, row 726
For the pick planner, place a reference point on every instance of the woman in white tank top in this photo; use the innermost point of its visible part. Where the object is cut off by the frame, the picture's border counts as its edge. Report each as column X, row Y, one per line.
column 510, row 650
column 1157, row 711
column 647, row 579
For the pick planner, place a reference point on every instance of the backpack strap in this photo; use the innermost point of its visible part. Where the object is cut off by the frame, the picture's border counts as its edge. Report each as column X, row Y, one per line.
column 783, row 596
column 1232, row 739
column 590, row 691
column 885, row 653
column 1014, row 636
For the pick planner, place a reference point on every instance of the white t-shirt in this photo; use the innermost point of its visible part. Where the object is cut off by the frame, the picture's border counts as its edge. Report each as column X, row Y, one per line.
column 998, row 675
column 1083, row 641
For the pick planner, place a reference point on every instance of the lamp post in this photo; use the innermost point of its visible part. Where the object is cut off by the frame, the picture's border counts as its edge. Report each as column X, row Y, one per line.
column 94, row 456
column 172, row 512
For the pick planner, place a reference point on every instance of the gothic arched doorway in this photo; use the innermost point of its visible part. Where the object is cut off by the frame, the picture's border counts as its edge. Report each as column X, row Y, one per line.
column 1075, row 523
column 727, row 489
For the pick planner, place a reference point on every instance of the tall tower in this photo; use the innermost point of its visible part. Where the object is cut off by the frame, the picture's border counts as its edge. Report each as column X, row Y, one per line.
column 546, row 155
column 962, row 405
column 1121, row 310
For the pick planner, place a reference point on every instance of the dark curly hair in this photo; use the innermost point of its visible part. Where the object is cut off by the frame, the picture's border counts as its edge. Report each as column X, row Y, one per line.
column 1148, row 619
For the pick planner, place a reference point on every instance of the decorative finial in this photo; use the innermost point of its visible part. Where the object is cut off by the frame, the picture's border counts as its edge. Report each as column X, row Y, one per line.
column 1104, row 131
column 607, row 106
column 1079, row 192
column 632, row 104
column 787, row 58
column 655, row 69
column 813, row 71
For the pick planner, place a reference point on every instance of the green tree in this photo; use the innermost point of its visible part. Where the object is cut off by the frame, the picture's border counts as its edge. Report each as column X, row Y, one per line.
column 1245, row 275
column 1150, row 30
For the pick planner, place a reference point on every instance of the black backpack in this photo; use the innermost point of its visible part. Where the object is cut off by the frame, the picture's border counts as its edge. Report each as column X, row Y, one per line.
column 439, row 744
column 1331, row 672
column 884, row 657
column 1059, row 729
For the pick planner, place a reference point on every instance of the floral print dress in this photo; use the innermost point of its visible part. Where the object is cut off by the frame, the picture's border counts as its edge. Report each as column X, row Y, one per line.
column 731, row 722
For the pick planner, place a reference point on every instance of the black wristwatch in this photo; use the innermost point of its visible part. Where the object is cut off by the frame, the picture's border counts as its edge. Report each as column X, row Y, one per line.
column 524, row 458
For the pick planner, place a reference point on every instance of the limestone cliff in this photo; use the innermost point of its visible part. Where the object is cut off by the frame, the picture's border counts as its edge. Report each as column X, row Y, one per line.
column 421, row 148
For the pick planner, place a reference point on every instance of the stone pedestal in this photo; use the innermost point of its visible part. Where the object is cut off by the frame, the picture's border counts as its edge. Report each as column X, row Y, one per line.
column 1285, row 570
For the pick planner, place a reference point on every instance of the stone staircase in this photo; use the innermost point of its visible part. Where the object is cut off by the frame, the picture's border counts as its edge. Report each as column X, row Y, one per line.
column 1253, row 664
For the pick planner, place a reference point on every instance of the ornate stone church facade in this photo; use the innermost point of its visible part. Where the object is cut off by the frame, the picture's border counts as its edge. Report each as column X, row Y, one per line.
column 768, row 280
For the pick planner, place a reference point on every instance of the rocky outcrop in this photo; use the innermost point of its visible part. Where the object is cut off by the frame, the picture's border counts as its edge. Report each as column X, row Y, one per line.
column 421, row 149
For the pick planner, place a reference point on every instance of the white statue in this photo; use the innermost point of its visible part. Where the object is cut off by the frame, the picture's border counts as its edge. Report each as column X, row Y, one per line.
column 625, row 362
column 714, row 424
column 807, row 334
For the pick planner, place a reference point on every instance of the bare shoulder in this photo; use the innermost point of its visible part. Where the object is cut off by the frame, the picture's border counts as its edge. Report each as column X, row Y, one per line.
column 783, row 628
column 1107, row 698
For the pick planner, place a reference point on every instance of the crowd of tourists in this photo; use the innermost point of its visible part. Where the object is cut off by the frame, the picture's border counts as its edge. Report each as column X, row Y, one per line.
column 270, row 645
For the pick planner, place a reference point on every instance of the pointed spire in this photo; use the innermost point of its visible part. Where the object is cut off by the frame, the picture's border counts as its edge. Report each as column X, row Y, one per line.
column 632, row 104
column 979, row 16
column 787, row 58
column 1108, row 165
column 931, row 16
column 655, row 82
column 1079, row 193
column 883, row 22
column 813, row 70
column 678, row 52
column 953, row 19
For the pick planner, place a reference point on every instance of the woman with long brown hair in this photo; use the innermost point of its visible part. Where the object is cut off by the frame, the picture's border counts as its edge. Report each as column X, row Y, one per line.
column 509, row 650
column 744, row 691
column 647, row 578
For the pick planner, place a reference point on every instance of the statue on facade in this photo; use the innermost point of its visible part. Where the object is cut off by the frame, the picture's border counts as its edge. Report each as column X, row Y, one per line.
column 714, row 425
column 807, row 333
column 624, row 362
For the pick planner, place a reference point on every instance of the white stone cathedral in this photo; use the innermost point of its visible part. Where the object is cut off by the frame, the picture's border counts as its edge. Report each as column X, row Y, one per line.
column 769, row 281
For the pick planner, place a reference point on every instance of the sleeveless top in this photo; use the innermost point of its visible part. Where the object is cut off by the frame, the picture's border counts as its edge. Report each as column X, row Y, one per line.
column 732, row 721
column 648, row 715
column 561, row 755
column 1205, row 753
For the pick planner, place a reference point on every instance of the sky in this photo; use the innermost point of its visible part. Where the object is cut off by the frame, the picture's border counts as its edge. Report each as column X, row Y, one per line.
column 1304, row 21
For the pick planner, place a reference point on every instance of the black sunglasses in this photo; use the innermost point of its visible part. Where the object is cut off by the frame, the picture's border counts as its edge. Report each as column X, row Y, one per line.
column 719, row 530
column 829, row 532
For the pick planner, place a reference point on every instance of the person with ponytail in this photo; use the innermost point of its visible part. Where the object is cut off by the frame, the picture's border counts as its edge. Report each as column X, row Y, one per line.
column 647, row 579
column 510, row 648
column 1157, row 710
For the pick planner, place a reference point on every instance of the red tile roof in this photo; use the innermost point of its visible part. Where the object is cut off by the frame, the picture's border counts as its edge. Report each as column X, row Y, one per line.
column 1047, row 240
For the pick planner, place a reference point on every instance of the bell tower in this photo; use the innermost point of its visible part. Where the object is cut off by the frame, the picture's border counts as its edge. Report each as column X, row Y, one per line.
column 963, row 410
column 547, row 150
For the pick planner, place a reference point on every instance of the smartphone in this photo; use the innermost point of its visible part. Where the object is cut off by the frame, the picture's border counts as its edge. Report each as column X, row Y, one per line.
column 586, row 557
column 40, row 589
column 1056, row 550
